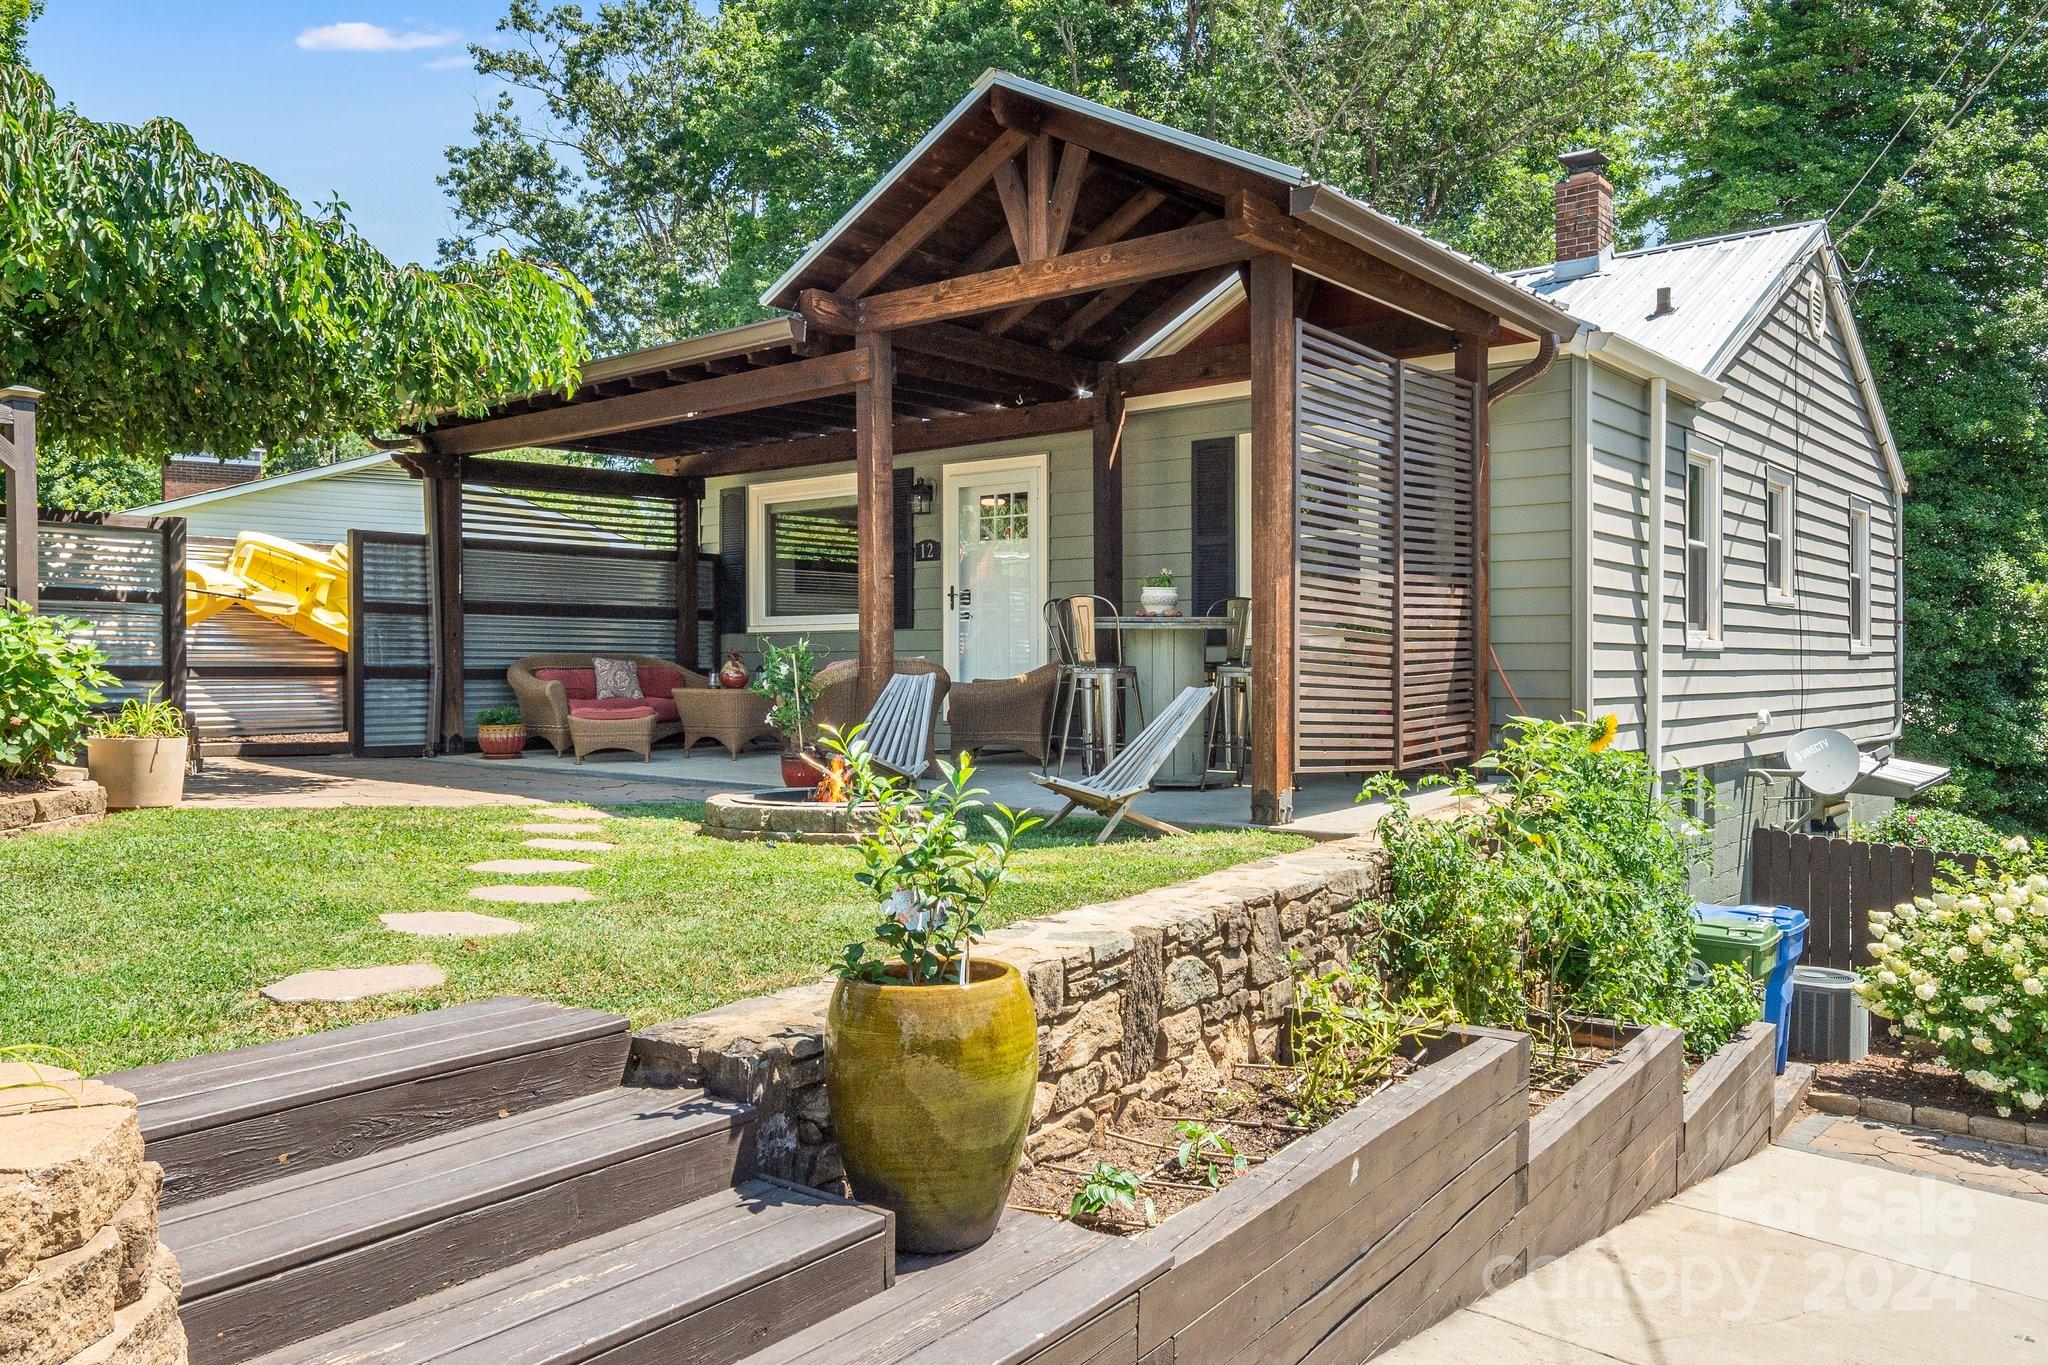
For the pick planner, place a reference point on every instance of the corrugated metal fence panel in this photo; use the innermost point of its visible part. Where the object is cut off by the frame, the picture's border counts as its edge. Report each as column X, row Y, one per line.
column 251, row 676
column 497, row 574
column 1838, row 882
column 490, row 513
column 394, row 714
column 1386, row 556
column 391, row 632
column 393, row 569
column 111, row 578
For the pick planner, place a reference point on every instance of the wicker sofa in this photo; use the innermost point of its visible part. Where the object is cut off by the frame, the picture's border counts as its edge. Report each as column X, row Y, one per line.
column 1004, row 713
column 552, row 687
column 839, row 694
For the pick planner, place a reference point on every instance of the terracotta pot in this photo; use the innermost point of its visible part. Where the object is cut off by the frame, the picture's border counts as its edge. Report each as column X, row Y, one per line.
column 798, row 772
column 734, row 674
column 138, row 773
column 931, row 1090
column 501, row 741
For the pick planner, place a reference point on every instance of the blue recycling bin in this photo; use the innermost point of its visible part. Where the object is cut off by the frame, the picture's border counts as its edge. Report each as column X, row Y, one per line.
column 1778, row 989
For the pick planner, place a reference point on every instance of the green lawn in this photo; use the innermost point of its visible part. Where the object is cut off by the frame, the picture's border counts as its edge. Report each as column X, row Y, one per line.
column 146, row 937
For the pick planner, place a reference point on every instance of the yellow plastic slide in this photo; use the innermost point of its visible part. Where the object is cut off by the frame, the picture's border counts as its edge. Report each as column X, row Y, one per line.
column 294, row 585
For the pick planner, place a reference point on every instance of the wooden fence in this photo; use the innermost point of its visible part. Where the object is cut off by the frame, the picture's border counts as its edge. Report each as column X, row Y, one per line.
column 1838, row 882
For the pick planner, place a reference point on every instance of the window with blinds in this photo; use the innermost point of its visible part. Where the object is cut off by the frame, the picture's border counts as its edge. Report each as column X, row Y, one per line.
column 812, row 557
column 1702, row 548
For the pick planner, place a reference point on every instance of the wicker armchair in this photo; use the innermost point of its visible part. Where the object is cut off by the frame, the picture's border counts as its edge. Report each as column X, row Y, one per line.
column 545, row 702
column 1005, row 713
column 839, row 693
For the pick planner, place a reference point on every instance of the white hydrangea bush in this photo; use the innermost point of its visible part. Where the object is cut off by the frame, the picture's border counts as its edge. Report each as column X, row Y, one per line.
column 1966, row 970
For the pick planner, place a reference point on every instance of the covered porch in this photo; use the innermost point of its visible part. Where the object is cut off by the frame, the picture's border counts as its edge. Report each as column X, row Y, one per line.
column 1165, row 352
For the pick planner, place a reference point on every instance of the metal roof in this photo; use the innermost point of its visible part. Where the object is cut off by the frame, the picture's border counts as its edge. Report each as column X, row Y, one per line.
column 1720, row 288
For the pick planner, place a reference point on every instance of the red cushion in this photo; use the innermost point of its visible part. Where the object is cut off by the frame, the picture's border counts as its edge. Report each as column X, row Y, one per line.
column 612, row 708
column 577, row 682
column 658, row 680
column 663, row 706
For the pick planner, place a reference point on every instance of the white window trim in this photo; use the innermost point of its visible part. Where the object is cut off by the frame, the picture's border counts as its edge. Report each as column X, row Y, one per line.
column 760, row 497
column 1776, row 479
column 1860, row 644
column 1244, row 518
column 1714, row 528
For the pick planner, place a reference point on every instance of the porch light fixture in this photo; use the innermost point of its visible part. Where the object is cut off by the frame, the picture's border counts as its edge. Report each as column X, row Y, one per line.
column 921, row 495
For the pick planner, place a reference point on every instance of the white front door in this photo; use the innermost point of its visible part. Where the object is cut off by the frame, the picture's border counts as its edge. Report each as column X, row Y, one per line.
column 995, row 568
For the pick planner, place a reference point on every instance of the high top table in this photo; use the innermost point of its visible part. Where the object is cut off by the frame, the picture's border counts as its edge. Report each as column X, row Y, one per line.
column 1171, row 653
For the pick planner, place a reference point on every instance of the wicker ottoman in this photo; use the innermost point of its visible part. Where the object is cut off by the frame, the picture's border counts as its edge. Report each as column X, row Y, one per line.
column 622, row 728
column 733, row 716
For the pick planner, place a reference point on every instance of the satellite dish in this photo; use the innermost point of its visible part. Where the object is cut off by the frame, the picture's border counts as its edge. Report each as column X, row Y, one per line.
column 1826, row 762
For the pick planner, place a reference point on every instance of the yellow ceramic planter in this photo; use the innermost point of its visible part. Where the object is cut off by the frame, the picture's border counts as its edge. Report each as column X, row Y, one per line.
column 931, row 1090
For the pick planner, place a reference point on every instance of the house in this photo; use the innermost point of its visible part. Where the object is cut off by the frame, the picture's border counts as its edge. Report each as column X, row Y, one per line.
column 318, row 506
column 1114, row 347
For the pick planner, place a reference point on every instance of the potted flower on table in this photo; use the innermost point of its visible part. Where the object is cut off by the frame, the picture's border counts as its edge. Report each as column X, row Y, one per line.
column 789, row 680
column 1157, row 595
column 931, row 1053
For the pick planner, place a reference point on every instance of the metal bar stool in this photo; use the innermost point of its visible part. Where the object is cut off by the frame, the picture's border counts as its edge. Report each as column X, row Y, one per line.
column 1230, row 715
column 1094, row 686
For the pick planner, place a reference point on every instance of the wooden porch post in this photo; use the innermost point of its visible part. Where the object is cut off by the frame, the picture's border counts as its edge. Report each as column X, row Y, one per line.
column 444, row 558
column 874, row 492
column 23, row 578
column 1274, row 342
column 688, row 534
column 1108, row 425
column 1471, row 364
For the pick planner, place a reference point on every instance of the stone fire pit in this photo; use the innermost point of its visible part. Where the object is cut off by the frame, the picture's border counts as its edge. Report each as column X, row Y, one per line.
column 784, row 815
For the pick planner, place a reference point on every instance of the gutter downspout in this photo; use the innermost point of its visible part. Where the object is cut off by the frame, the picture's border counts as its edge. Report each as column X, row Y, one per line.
column 1535, row 369
column 1653, row 680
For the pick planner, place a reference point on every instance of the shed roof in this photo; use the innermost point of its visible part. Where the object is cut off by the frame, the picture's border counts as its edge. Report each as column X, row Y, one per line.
column 1720, row 287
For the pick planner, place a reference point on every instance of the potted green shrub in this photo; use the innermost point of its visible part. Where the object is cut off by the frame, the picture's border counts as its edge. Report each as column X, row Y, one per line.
column 789, row 680
column 50, row 676
column 931, row 1053
column 501, row 731
column 139, row 754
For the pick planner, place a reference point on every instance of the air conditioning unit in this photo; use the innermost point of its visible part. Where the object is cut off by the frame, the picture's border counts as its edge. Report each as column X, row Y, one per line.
column 1829, row 1020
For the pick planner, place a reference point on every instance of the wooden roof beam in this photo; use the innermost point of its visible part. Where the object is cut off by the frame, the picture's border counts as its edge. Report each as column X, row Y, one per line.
column 1177, row 252
column 997, row 353
column 818, row 377
column 908, row 438
column 1113, row 228
column 1271, row 229
column 1019, row 112
column 937, row 211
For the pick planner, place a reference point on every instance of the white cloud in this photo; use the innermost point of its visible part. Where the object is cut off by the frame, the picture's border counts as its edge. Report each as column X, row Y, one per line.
column 452, row 62
column 355, row 36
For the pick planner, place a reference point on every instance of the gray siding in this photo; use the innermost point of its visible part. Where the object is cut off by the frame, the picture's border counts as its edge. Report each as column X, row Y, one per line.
column 381, row 497
column 1618, row 433
column 1158, row 517
column 1530, row 590
column 1792, row 404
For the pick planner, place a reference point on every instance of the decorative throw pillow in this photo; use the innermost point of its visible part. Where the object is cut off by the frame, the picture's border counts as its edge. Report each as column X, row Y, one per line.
column 617, row 678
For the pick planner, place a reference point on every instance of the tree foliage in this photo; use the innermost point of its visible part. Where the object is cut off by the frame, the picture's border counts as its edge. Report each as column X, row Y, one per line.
column 166, row 299
column 1919, row 129
column 678, row 160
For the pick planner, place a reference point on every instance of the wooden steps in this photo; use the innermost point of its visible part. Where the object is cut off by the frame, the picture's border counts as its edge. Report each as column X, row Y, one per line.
column 702, row 1284
column 275, row 1262
column 228, row 1120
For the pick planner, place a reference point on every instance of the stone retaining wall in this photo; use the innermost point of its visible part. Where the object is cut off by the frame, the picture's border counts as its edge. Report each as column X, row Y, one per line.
column 83, row 1278
column 64, row 806
column 1134, row 997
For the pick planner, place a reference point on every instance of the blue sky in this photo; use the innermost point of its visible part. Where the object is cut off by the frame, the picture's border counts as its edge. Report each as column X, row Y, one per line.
column 341, row 98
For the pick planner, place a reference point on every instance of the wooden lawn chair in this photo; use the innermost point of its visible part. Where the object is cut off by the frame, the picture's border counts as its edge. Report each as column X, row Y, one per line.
column 1129, row 775
column 900, row 725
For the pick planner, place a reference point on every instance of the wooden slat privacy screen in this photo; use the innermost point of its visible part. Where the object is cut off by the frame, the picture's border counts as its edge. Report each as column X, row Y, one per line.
column 1385, row 507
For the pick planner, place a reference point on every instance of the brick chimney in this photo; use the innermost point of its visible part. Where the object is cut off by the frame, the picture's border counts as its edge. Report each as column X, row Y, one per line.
column 185, row 475
column 1585, row 215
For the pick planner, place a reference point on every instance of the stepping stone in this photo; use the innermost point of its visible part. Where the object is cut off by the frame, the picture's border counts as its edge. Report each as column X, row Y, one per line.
column 452, row 924
column 354, row 983
column 568, row 845
column 557, row 829
column 568, row 813
column 527, row 867
column 530, row 895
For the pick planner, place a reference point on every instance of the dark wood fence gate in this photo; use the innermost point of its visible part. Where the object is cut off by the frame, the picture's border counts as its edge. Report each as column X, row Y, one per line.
column 1838, row 882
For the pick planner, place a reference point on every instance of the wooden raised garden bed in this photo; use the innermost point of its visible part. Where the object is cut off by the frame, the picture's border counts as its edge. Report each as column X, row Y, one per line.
column 1728, row 1105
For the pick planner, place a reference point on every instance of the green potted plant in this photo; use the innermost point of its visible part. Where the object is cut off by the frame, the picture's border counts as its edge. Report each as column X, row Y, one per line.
column 501, row 731
column 139, row 753
column 789, row 680
column 50, row 679
column 931, row 1053
column 1157, row 596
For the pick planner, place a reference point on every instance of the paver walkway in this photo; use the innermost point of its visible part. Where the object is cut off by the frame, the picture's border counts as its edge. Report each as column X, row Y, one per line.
column 2021, row 1172
column 330, row 782
column 1792, row 1256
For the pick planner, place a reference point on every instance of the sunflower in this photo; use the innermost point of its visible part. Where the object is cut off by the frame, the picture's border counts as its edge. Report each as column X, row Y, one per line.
column 1604, row 731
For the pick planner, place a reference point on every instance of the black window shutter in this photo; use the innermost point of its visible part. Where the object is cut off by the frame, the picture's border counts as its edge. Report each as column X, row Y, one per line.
column 904, row 511
column 1213, row 493
column 731, row 576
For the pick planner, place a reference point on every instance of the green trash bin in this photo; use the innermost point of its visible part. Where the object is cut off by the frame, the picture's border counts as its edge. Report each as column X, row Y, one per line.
column 1750, row 944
